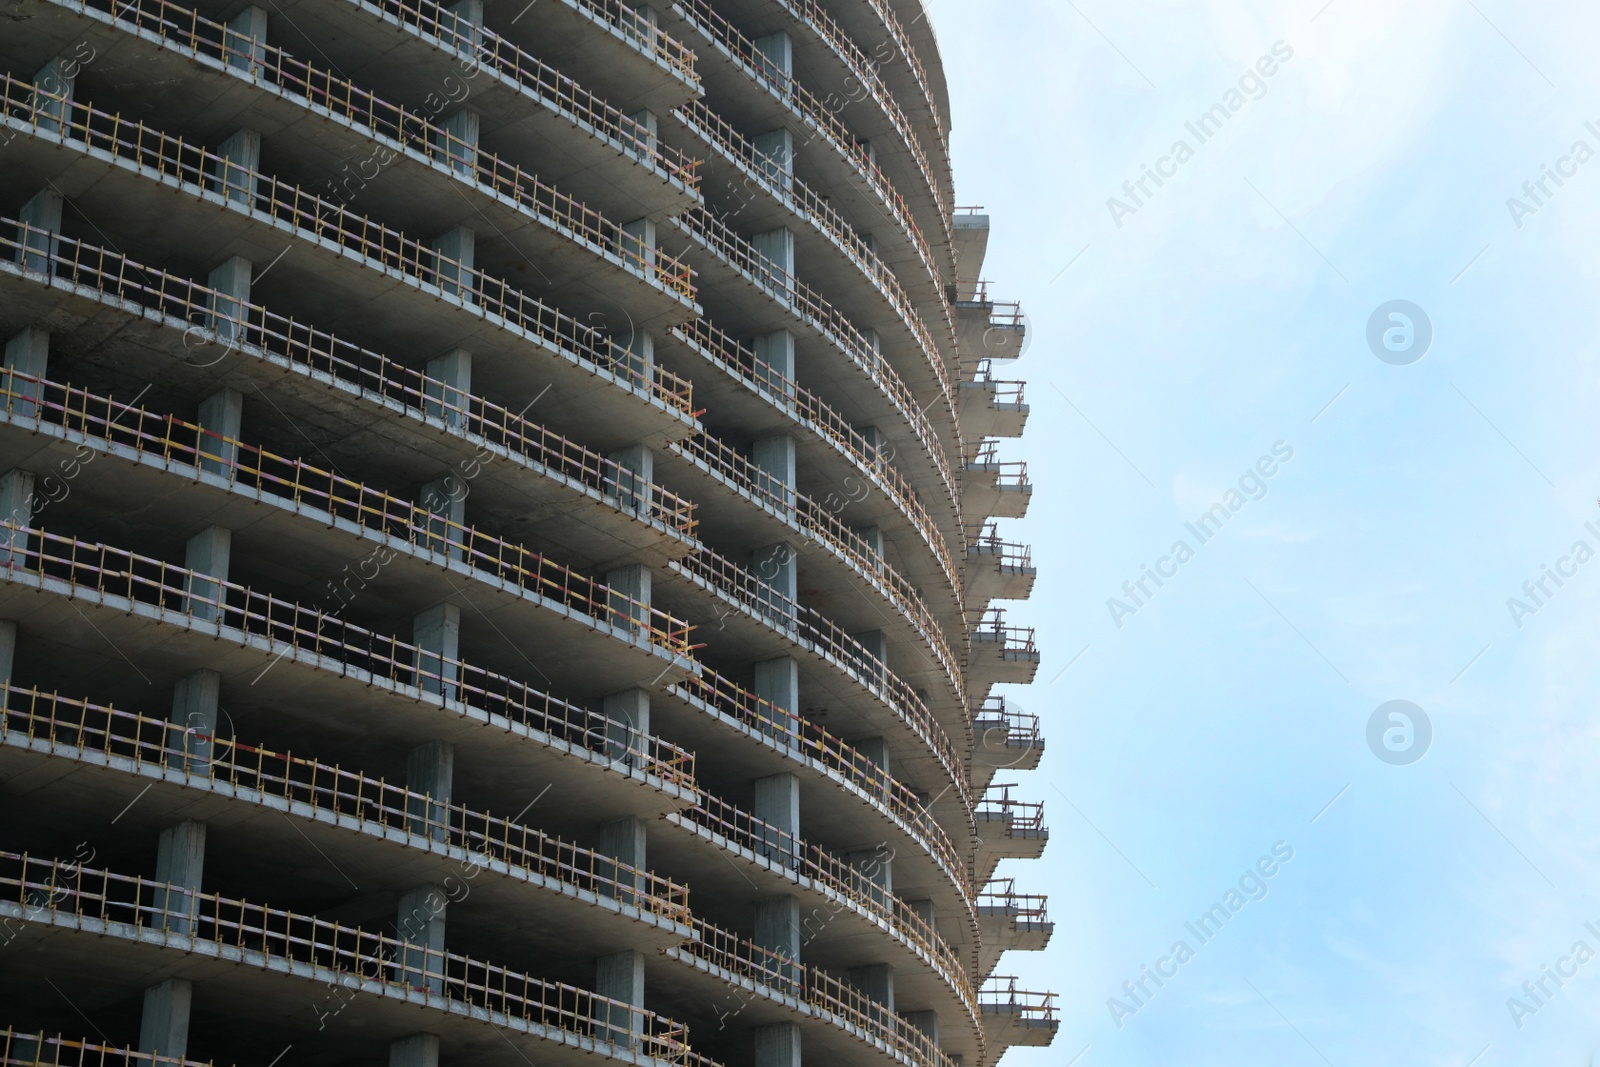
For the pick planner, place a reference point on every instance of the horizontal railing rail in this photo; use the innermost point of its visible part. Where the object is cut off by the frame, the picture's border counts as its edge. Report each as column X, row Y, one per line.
column 41, row 1048
column 49, row 890
column 998, row 803
column 315, row 353
column 1001, row 893
column 66, row 724
column 1009, row 555
column 1014, row 639
column 666, row 49
column 1019, row 727
column 1000, row 993
column 55, row 561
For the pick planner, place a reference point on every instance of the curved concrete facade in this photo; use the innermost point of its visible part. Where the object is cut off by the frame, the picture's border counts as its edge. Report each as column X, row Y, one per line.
column 503, row 539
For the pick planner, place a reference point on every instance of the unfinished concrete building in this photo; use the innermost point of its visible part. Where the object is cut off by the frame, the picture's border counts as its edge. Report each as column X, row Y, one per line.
column 499, row 539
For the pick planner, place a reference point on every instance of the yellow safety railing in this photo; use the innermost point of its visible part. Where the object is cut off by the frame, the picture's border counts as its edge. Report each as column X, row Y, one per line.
column 835, row 876
column 255, row 935
column 1000, row 895
column 1007, row 555
column 44, row 1049
column 913, row 61
column 176, row 441
column 66, row 564
column 203, row 37
column 738, row 360
column 1005, row 392
column 985, row 459
column 667, row 50
column 803, row 739
column 1021, row 816
column 1020, row 728
column 69, row 727
column 1014, row 640
column 122, row 282
column 1000, row 994
column 198, row 170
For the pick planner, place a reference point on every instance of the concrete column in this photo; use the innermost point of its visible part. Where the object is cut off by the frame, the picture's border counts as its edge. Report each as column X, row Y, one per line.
column 231, row 285
column 8, row 652
column 53, row 90
column 639, row 244
column 777, row 806
column 774, row 457
column 27, row 357
column 430, row 770
column 649, row 133
column 42, row 215
column 466, row 31
column 924, row 911
column 874, row 873
column 775, row 362
column 873, row 536
column 449, row 393
column 777, row 570
column 180, row 863
column 925, row 1021
column 164, row 1025
column 777, row 53
column 876, row 981
column 457, row 141
column 778, row 683
column 418, row 1050
column 16, row 507
column 207, row 556
column 622, row 840
column 777, row 1045
column 630, row 596
column 869, row 153
column 621, row 978
column 454, row 251
column 221, row 414
column 239, row 166
column 628, row 725
column 776, row 247
column 194, row 721
column 778, row 930
column 777, row 146
column 421, row 926
column 634, row 356
column 632, row 491
column 445, row 531
column 246, row 39
column 871, row 241
column 437, row 635
column 875, row 749
column 877, row 649
column 644, row 24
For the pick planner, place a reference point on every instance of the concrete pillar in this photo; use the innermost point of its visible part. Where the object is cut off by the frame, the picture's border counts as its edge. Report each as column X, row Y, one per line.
column 777, row 148
column 622, row 840
column 874, row 874
column 642, row 22
column 871, row 241
column 450, row 390
column 777, row 806
column 876, row 982
column 648, row 133
column 873, row 536
column 53, row 90
column 457, row 141
column 630, row 596
column 620, row 977
column 231, row 292
column 775, row 362
column 869, row 153
column 777, row 54
column 246, row 39
column 465, row 31
column 633, row 357
column 445, row 501
column 628, row 726
column 778, row 683
column 421, row 926
column 418, row 1050
column 774, row 457
column 207, row 556
column 632, row 491
column 239, row 167
column 924, row 911
column 778, row 931
column 437, row 635
column 876, row 749
column 925, row 1021
column 777, row 1045
column 777, row 571
column 8, row 652
column 454, row 250
column 194, row 721
column 164, row 1025
column 639, row 244
column 27, row 357
column 42, row 215
column 180, row 864
column 221, row 415
column 776, row 248
column 877, row 654
column 17, row 503
column 430, row 771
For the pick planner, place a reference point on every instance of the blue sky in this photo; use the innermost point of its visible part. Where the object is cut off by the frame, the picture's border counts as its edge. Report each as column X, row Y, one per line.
column 1228, row 314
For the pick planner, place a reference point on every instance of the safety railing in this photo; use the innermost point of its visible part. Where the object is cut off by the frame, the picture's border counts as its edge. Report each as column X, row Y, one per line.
column 1000, row 895
column 176, row 441
column 1016, row 727
column 314, row 353
column 44, row 1049
column 54, row 561
column 913, row 62
column 805, row 103
column 1000, row 994
column 1007, row 555
column 1022, row 816
column 203, row 37
column 766, row 604
column 802, row 739
column 68, row 727
column 666, row 50
column 260, row 936
column 777, row 975
column 840, row 879
column 734, row 357
column 773, row 175
column 824, row 525
column 201, row 171
column 1005, row 392
column 985, row 459
column 1013, row 640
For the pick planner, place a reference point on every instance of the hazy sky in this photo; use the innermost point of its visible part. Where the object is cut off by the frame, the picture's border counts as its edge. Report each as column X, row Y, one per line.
column 1179, row 340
